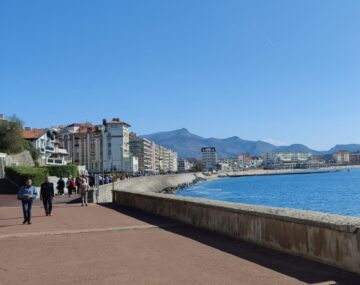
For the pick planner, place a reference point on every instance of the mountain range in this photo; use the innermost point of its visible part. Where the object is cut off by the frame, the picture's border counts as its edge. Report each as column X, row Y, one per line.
column 188, row 145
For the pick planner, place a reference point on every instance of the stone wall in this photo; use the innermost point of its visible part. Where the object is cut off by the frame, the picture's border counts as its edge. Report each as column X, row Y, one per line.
column 330, row 239
column 21, row 159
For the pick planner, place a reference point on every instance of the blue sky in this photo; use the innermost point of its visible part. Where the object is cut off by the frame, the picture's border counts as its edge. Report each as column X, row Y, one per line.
column 286, row 71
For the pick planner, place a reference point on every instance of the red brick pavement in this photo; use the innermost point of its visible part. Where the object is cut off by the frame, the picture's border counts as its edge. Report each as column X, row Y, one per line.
column 102, row 245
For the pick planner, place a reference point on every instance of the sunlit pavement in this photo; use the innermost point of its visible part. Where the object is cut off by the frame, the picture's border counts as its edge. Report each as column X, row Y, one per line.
column 106, row 245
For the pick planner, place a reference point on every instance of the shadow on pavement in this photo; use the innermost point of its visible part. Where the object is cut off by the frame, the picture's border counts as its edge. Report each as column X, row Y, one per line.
column 296, row 267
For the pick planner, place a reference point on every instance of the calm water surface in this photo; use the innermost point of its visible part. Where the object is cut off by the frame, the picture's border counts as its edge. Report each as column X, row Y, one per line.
column 334, row 192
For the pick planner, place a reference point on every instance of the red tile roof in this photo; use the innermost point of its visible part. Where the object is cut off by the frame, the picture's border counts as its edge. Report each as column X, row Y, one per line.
column 32, row 134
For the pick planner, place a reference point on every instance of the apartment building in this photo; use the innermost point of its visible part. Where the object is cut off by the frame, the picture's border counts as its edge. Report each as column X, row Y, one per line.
column 184, row 165
column 342, row 157
column 145, row 151
column 286, row 159
column 167, row 160
column 84, row 144
column 116, row 147
column 208, row 158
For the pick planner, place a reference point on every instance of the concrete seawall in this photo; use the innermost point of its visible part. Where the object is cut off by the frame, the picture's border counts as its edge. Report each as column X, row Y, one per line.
column 329, row 239
column 145, row 184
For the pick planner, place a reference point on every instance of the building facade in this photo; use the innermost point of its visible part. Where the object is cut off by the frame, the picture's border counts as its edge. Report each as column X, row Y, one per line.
column 167, row 160
column 355, row 158
column 144, row 150
column 286, row 159
column 84, row 144
column 342, row 157
column 46, row 143
column 244, row 160
column 208, row 158
column 116, row 148
column 184, row 165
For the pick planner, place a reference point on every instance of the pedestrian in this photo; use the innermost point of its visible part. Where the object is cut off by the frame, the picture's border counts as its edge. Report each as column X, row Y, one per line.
column 47, row 195
column 71, row 186
column 27, row 194
column 84, row 189
column 78, row 183
column 60, row 186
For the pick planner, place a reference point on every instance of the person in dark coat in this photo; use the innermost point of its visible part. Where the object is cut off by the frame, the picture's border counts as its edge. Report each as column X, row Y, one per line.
column 61, row 186
column 47, row 195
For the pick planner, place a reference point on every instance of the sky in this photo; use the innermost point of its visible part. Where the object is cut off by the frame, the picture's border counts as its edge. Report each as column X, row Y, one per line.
column 282, row 71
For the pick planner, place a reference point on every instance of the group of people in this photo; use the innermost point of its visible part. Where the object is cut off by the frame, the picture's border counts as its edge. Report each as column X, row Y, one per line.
column 72, row 184
column 28, row 193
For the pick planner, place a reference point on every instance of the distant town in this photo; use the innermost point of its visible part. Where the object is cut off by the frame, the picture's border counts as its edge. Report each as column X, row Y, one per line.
column 110, row 147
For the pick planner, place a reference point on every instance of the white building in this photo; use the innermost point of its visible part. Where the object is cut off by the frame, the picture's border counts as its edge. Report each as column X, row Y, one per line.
column 286, row 158
column 50, row 150
column 144, row 150
column 116, row 149
column 167, row 160
column 208, row 158
column 153, row 158
column 342, row 156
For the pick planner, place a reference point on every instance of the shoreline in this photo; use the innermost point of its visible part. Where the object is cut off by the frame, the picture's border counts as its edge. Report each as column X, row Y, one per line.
column 263, row 172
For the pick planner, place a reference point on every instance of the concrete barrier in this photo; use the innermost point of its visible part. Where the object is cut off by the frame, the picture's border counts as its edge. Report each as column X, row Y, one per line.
column 144, row 184
column 329, row 239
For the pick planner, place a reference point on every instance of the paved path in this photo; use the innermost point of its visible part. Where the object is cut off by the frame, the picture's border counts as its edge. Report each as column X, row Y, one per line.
column 102, row 245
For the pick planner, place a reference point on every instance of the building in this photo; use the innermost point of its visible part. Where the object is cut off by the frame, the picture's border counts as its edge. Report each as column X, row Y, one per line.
column 84, row 144
column 166, row 160
column 244, row 160
column 46, row 143
column 286, row 159
column 342, row 157
column 184, row 165
column 116, row 147
column 3, row 118
column 100, row 148
column 208, row 158
column 152, row 158
column 355, row 158
column 145, row 151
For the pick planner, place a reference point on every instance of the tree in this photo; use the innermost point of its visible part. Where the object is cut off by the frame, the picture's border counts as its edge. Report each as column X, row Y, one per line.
column 10, row 136
column 11, row 141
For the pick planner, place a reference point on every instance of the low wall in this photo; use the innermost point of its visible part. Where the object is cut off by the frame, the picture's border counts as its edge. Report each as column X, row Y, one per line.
column 144, row 184
column 329, row 239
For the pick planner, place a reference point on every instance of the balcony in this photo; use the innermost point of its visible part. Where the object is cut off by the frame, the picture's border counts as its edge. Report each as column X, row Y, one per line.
column 55, row 161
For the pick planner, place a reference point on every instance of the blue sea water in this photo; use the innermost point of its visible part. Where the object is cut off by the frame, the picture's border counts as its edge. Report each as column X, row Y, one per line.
column 333, row 192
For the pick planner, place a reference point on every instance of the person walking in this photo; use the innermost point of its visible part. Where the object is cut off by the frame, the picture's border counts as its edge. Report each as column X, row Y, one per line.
column 47, row 195
column 71, row 185
column 27, row 194
column 84, row 190
column 60, row 186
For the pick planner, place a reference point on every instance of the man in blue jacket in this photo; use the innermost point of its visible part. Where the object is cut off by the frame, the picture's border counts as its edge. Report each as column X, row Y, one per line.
column 47, row 195
column 27, row 194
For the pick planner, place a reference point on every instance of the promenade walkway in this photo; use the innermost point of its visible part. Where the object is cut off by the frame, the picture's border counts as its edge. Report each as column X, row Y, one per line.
column 106, row 245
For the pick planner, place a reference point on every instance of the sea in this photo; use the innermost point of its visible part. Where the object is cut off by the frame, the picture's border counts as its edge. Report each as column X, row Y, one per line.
column 331, row 192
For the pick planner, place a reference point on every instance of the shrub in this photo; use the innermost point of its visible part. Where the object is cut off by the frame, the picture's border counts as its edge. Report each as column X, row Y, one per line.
column 19, row 174
column 62, row 170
